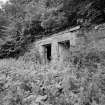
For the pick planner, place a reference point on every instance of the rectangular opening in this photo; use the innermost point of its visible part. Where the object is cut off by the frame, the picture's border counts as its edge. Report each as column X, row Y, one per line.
column 64, row 49
column 65, row 44
column 47, row 52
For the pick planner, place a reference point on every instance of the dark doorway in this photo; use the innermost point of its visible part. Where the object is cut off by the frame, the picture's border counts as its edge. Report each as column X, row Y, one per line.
column 47, row 49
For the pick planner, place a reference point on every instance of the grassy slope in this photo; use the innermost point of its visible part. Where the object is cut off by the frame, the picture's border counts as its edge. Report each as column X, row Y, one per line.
column 82, row 82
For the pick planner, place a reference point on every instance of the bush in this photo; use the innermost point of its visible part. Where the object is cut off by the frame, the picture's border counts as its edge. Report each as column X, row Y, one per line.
column 24, row 82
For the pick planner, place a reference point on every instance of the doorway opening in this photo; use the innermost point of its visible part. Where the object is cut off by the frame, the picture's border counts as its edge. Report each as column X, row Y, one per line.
column 47, row 52
column 64, row 49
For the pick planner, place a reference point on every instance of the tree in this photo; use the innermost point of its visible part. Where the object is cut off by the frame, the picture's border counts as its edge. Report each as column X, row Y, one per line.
column 25, row 20
column 3, row 24
column 89, row 11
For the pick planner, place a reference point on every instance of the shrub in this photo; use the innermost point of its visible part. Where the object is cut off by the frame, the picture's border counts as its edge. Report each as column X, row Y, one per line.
column 24, row 82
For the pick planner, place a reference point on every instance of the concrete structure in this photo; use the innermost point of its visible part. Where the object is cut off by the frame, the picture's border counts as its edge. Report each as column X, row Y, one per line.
column 57, row 46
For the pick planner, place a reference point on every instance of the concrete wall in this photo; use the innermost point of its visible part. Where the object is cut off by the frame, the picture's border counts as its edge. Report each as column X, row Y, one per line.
column 58, row 52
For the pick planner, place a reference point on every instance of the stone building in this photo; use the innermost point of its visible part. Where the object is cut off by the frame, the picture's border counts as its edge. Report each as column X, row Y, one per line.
column 57, row 47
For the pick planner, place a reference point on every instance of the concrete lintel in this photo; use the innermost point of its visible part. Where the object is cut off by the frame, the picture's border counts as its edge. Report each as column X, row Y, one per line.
column 66, row 36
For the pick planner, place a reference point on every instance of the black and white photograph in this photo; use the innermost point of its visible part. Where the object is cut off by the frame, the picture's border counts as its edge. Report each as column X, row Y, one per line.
column 52, row 52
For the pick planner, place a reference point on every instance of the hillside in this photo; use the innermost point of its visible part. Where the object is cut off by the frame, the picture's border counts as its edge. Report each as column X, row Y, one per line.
column 23, row 21
column 78, row 80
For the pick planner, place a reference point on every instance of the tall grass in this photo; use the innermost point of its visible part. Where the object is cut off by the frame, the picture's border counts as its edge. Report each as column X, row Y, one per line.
column 81, row 81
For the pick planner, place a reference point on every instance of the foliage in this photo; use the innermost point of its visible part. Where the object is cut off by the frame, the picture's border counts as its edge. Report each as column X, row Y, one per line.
column 25, row 81
column 85, row 12
column 3, row 24
column 23, row 21
column 80, row 82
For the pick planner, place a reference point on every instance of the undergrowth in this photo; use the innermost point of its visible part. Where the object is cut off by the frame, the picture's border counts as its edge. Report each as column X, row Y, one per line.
column 78, row 82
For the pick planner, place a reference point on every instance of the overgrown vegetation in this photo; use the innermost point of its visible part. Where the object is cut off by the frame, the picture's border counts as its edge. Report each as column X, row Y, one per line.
column 78, row 82
column 23, row 21
column 25, row 81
